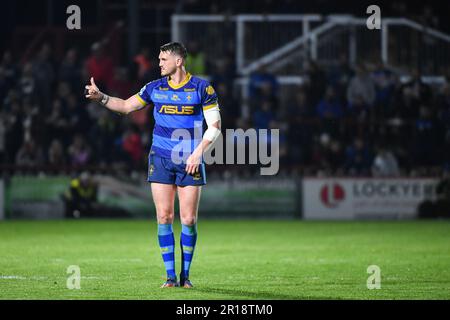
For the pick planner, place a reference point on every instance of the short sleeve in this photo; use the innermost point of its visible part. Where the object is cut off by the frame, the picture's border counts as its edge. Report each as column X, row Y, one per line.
column 144, row 95
column 209, row 97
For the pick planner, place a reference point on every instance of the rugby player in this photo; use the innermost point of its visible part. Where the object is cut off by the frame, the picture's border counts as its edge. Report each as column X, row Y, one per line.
column 180, row 101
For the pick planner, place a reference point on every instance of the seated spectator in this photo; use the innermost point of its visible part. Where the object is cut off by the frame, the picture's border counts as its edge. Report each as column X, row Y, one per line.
column 57, row 121
column 300, row 133
column 56, row 156
column 144, row 63
column 2, row 137
column 14, row 134
column 316, row 81
column 361, row 86
column 132, row 146
column 443, row 103
column 44, row 74
column 264, row 116
column 427, row 138
column 223, row 72
column 105, row 130
column 328, row 154
column 445, row 161
column 63, row 91
column 358, row 158
column 385, row 164
column 29, row 154
column 339, row 76
column 329, row 107
column 358, row 110
column 420, row 91
column 100, row 66
column 120, row 85
column 429, row 18
column 405, row 106
column 263, row 85
column 69, row 71
column 27, row 83
column 229, row 106
column 385, row 82
column 79, row 151
column 300, row 108
column 9, row 74
column 78, row 117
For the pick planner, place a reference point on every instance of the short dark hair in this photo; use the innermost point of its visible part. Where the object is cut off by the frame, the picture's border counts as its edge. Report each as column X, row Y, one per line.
column 175, row 47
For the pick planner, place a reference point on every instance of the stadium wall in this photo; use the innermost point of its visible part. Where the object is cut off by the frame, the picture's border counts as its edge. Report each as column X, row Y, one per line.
column 30, row 197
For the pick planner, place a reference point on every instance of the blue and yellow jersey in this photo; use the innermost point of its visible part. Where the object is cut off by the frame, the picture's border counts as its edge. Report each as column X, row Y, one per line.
column 178, row 107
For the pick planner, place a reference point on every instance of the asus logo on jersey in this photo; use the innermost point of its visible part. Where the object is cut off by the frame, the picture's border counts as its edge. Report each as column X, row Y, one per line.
column 175, row 109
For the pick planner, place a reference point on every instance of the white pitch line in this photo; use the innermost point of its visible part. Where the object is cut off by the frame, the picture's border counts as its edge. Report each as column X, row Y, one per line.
column 12, row 277
column 110, row 260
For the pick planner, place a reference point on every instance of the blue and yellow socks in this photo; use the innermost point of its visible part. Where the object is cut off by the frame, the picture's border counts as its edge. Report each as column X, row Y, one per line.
column 167, row 245
column 187, row 241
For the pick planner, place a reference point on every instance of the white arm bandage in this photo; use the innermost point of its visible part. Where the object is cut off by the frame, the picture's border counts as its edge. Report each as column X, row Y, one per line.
column 211, row 116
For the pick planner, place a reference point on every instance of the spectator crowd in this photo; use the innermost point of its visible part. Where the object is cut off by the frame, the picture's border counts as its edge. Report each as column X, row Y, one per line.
column 343, row 120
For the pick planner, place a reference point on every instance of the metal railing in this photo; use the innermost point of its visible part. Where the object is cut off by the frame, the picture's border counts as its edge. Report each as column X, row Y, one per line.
column 265, row 40
column 282, row 43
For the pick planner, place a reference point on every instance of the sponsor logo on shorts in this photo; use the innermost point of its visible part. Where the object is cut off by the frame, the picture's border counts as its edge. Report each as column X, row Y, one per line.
column 197, row 176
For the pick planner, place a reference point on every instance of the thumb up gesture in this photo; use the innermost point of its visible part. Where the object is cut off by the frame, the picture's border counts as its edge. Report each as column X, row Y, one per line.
column 92, row 92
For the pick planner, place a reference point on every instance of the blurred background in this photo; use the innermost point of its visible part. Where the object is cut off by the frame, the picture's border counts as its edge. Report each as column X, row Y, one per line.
column 364, row 115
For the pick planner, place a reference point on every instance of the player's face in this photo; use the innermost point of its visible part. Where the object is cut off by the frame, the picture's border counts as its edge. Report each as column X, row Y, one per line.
column 168, row 63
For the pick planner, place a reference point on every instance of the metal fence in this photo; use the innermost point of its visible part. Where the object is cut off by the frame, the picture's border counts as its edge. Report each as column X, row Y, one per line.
column 265, row 39
column 282, row 43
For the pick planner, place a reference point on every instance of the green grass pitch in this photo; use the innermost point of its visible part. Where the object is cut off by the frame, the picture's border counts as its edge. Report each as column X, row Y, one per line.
column 120, row 259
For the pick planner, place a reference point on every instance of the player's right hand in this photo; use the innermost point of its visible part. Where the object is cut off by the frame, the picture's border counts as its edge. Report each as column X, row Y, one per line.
column 92, row 92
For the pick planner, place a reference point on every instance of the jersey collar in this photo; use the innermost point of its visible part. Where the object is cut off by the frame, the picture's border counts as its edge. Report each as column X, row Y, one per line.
column 181, row 84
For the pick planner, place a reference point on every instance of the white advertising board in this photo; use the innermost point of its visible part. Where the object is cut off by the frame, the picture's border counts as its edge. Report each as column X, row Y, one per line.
column 364, row 198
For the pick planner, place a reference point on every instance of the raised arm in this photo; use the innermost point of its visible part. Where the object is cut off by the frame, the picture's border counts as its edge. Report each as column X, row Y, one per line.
column 112, row 103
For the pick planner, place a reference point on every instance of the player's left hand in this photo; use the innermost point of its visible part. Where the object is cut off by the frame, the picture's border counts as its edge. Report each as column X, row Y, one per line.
column 192, row 163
